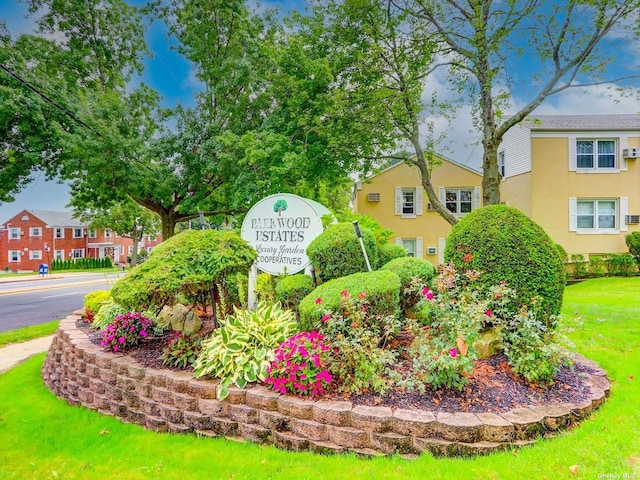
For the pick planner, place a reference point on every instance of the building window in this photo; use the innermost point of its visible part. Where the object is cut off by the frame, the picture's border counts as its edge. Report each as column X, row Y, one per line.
column 14, row 233
column 59, row 254
column 92, row 233
column 59, row 232
column 107, row 233
column 409, row 245
column 459, row 200
column 35, row 232
column 596, row 214
column 35, row 255
column 77, row 233
column 77, row 253
column 14, row 256
column 501, row 168
column 408, row 201
column 596, row 154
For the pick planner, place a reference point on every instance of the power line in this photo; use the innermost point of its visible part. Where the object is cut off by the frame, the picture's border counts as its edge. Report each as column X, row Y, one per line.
column 48, row 99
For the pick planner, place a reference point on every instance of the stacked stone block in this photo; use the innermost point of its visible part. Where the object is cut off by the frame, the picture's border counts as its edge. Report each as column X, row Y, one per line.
column 173, row 401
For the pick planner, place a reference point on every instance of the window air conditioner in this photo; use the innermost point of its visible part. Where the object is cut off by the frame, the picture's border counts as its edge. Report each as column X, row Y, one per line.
column 632, row 219
column 373, row 197
column 631, row 153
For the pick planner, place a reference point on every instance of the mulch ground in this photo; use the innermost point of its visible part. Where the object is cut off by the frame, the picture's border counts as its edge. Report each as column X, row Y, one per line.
column 492, row 387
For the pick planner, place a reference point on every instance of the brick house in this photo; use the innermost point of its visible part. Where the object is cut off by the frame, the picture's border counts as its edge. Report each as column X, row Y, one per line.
column 33, row 237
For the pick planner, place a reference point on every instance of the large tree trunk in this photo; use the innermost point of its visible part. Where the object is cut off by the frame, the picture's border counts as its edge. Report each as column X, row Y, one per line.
column 168, row 220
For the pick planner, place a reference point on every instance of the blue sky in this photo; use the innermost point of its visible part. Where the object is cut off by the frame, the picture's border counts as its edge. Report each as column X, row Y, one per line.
column 171, row 76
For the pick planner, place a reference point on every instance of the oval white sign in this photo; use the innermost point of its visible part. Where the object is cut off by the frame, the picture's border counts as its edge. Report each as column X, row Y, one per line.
column 280, row 227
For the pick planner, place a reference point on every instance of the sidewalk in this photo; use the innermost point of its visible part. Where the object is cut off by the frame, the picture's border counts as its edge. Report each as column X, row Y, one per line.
column 13, row 354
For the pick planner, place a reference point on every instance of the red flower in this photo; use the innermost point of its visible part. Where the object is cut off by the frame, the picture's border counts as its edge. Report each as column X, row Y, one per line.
column 344, row 294
column 318, row 301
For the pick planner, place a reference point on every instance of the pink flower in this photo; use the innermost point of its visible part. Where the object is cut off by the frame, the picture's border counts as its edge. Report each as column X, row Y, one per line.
column 453, row 352
column 122, row 340
column 325, row 376
column 325, row 318
column 488, row 313
column 318, row 301
column 344, row 294
column 362, row 294
column 427, row 293
column 143, row 334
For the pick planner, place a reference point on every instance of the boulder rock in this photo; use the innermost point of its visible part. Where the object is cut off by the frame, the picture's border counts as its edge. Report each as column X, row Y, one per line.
column 180, row 318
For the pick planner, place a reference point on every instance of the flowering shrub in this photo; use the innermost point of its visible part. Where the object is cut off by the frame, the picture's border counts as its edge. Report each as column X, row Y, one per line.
column 181, row 350
column 126, row 330
column 358, row 338
column 300, row 365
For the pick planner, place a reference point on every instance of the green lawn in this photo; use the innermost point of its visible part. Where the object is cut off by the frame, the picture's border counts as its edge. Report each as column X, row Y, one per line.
column 41, row 437
column 27, row 333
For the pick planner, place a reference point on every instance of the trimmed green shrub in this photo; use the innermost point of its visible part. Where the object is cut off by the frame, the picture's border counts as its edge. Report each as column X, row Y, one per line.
column 414, row 273
column 107, row 313
column 189, row 265
column 390, row 251
column 596, row 267
column 383, row 235
column 633, row 242
column 290, row 290
column 564, row 256
column 579, row 265
column 336, row 252
column 621, row 265
column 507, row 246
column 382, row 289
column 240, row 351
column 93, row 301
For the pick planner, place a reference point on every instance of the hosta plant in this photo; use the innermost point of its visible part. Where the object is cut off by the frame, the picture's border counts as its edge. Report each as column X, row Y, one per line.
column 240, row 351
column 300, row 365
column 126, row 330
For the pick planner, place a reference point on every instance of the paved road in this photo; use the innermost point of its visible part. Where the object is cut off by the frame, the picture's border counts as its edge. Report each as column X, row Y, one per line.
column 37, row 300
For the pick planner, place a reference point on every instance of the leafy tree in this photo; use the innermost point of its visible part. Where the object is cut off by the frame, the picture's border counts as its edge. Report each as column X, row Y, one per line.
column 489, row 44
column 127, row 219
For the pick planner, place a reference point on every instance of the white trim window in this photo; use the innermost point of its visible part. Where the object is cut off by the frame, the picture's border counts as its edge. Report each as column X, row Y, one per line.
column 594, row 215
column 77, row 253
column 599, row 154
column 107, row 233
column 501, row 165
column 58, row 255
column 14, row 233
column 77, row 233
column 14, row 255
column 92, row 233
column 413, row 246
column 35, row 255
column 408, row 202
column 459, row 200
column 35, row 231
column 59, row 232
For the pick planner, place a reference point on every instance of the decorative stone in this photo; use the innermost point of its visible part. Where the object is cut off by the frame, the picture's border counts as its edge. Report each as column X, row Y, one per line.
column 171, row 414
column 495, row 428
column 373, row 419
column 137, row 416
column 262, row 398
column 528, row 423
column 224, row 426
column 556, row 417
column 390, row 442
column 459, row 426
column 289, row 441
column 295, row 407
column 325, row 447
column 215, row 408
column 162, row 395
column 418, row 423
column 178, row 428
column 309, row 429
column 202, row 388
column 255, row 433
column 178, row 381
column 489, row 343
column 243, row 414
column 156, row 424
column 332, row 412
column 185, row 402
column 436, row 446
column 349, row 437
column 274, row 420
column 197, row 420
column 180, row 318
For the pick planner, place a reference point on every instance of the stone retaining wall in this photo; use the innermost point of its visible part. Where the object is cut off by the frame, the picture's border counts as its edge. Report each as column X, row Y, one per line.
column 165, row 400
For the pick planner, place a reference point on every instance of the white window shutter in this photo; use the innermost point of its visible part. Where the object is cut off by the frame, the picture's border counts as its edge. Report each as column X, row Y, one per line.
column 419, row 202
column 442, row 242
column 572, row 154
column 398, row 197
column 477, row 200
column 623, row 161
column 419, row 252
column 399, row 241
column 573, row 214
column 442, row 194
column 624, row 211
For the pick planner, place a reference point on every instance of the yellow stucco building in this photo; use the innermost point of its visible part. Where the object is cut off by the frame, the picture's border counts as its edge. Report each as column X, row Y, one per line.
column 396, row 199
column 578, row 176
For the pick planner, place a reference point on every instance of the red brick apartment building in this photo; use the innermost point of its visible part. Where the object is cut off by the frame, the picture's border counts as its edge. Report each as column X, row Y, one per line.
column 34, row 237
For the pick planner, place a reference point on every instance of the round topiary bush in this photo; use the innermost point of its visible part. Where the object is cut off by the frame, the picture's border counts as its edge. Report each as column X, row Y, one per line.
column 188, row 265
column 336, row 252
column 382, row 289
column 507, row 246
column 414, row 274
column 290, row 290
column 388, row 252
